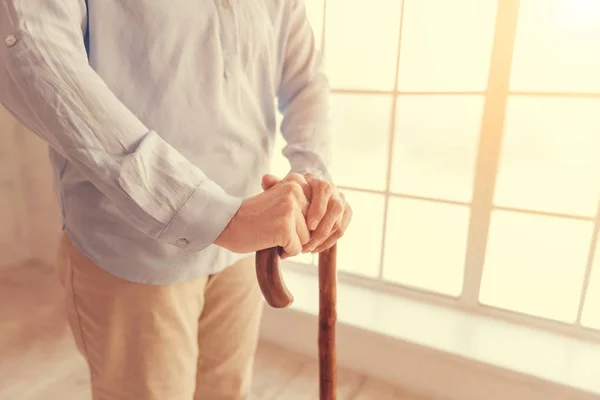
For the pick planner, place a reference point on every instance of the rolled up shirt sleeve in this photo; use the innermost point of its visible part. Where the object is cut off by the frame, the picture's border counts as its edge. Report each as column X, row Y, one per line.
column 303, row 96
column 47, row 84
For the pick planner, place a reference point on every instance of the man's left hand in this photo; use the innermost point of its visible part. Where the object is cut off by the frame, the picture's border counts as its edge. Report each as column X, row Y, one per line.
column 328, row 215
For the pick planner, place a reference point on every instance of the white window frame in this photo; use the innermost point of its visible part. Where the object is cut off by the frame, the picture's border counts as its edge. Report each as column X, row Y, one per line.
column 488, row 158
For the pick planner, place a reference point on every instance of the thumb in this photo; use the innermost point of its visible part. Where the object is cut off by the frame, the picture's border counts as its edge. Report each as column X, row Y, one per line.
column 268, row 181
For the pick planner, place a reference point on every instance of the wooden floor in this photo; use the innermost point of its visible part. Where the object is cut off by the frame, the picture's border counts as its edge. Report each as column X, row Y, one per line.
column 38, row 360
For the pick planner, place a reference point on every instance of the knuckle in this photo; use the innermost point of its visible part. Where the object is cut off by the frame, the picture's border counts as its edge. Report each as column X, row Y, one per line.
column 287, row 206
column 288, row 187
column 348, row 215
column 297, row 190
column 292, row 189
column 336, row 226
column 325, row 187
column 337, row 206
column 295, row 177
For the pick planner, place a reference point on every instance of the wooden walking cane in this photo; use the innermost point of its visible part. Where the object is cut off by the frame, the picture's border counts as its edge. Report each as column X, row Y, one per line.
column 277, row 295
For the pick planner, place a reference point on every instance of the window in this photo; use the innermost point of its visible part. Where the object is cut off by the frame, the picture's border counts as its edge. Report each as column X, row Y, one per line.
column 467, row 139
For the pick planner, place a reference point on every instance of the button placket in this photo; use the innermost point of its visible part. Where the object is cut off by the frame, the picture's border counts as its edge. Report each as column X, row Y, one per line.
column 228, row 36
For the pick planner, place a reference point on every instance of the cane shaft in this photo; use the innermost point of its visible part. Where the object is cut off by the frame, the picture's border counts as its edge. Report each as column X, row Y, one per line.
column 327, row 321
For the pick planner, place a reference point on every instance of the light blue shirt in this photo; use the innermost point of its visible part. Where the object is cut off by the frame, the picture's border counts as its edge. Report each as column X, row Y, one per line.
column 170, row 123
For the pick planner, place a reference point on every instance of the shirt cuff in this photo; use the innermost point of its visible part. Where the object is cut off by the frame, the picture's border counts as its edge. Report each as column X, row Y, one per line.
column 304, row 161
column 322, row 172
column 202, row 218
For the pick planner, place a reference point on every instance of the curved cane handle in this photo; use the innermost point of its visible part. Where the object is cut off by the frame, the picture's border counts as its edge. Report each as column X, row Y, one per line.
column 269, row 277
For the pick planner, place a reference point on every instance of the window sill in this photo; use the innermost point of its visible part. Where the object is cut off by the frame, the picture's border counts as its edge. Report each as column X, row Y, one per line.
column 413, row 344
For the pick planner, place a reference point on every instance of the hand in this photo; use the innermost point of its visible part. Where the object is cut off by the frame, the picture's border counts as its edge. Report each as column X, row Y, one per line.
column 269, row 181
column 329, row 213
column 275, row 217
column 328, row 216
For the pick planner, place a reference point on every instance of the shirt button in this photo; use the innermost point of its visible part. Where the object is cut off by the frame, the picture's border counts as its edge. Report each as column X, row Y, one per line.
column 182, row 242
column 225, row 3
column 10, row 40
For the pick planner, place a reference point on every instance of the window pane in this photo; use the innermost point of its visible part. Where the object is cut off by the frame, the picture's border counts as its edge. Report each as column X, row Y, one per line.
column 361, row 43
column 359, row 251
column 314, row 12
column 360, row 125
column 591, row 309
column 435, row 146
column 549, row 158
column 535, row 264
column 446, row 45
column 557, row 46
column 426, row 244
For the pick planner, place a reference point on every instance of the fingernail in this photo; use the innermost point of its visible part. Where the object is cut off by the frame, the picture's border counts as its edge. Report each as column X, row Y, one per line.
column 312, row 225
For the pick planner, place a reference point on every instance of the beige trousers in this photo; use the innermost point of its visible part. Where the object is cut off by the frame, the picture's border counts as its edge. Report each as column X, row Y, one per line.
column 192, row 340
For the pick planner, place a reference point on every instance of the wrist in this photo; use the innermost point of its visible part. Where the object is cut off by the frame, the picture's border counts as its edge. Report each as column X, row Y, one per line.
column 224, row 238
column 317, row 173
column 230, row 238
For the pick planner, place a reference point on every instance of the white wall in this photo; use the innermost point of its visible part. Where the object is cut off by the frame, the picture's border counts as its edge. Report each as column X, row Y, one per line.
column 29, row 219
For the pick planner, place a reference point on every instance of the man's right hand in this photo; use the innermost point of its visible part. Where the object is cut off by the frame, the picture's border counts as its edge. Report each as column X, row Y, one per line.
column 275, row 217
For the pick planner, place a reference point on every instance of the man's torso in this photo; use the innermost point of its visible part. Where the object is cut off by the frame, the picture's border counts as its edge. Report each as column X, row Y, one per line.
column 204, row 75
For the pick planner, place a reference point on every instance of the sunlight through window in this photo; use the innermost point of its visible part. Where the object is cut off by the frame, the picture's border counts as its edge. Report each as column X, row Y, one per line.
column 440, row 178
column 578, row 14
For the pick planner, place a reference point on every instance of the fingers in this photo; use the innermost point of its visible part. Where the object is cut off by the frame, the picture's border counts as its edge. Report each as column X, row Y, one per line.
column 300, row 180
column 296, row 206
column 268, row 181
column 329, row 242
column 316, row 206
column 335, row 236
column 293, row 246
column 321, row 193
column 331, row 222
column 296, row 196
column 301, row 229
column 301, row 232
